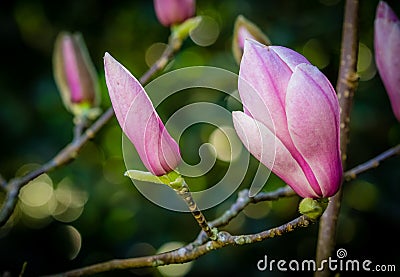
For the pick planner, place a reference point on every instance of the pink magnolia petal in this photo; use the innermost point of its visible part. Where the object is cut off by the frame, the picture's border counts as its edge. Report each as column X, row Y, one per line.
column 72, row 69
column 168, row 153
column 387, row 47
column 156, row 148
column 290, row 57
column 139, row 120
column 392, row 78
column 385, row 12
column 264, row 75
column 264, row 145
column 313, row 118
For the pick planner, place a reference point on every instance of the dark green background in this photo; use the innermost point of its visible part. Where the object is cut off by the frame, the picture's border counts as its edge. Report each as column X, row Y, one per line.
column 116, row 218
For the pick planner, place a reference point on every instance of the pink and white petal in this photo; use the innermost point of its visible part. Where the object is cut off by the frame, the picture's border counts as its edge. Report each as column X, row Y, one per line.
column 169, row 153
column 313, row 118
column 243, row 34
column 264, row 75
column 290, row 57
column 71, row 69
column 123, row 88
column 384, row 11
column 393, row 49
column 136, row 115
column 137, row 120
column 269, row 150
column 387, row 47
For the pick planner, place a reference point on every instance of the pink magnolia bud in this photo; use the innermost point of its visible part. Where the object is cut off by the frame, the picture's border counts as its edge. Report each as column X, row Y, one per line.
column 170, row 12
column 139, row 120
column 387, row 50
column 245, row 29
column 290, row 105
column 74, row 73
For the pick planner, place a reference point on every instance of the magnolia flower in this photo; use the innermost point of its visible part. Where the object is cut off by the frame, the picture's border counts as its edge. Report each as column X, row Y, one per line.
column 170, row 12
column 245, row 29
column 74, row 73
column 387, row 49
column 138, row 119
column 289, row 105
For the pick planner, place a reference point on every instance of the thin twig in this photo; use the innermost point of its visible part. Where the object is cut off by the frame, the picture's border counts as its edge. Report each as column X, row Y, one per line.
column 69, row 153
column 346, row 86
column 372, row 163
column 189, row 252
column 160, row 63
column 186, row 195
column 242, row 202
column 80, row 123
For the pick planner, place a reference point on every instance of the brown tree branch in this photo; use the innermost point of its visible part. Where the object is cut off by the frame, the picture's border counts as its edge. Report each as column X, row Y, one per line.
column 70, row 152
column 242, row 202
column 346, row 86
column 191, row 251
column 202, row 245
column 372, row 163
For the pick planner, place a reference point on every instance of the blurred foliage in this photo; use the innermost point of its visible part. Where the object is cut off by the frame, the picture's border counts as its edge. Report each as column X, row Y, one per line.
column 87, row 212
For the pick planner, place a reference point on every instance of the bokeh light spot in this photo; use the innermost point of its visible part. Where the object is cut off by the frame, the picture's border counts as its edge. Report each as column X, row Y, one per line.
column 365, row 64
column 69, row 201
column 206, row 33
column 226, row 144
column 154, row 52
column 36, row 193
column 174, row 270
column 365, row 189
column 76, row 241
column 259, row 210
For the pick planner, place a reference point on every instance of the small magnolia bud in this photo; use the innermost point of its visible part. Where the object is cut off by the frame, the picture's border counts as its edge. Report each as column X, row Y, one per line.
column 74, row 74
column 313, row 208
column 171, row 12
column 245, row 29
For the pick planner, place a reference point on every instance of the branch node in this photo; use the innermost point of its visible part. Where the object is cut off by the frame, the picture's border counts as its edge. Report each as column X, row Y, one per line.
column 223, row 237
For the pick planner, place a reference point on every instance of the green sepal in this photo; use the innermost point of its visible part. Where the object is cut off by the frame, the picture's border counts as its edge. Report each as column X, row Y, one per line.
column 172, row 179
column 143, row 176
column 313, row 208
column 181, row 31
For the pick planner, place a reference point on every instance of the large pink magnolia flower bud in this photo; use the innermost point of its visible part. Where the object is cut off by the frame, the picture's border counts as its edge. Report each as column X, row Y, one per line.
column 139, row 120
column 170, row 12
column 290, row 105
column 387, row 52
column 74, row 73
